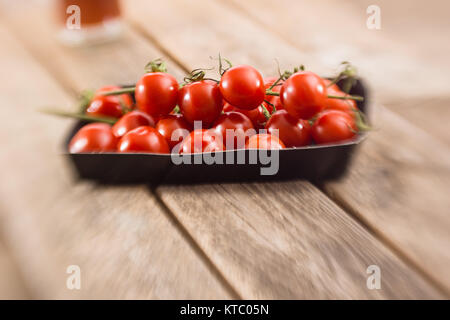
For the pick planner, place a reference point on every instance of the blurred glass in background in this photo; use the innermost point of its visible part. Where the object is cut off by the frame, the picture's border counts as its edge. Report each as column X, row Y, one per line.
column 87, row 22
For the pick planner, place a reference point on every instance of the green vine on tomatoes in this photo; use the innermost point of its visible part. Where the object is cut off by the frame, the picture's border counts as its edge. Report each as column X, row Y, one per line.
column 157, row 65
column 348, row 74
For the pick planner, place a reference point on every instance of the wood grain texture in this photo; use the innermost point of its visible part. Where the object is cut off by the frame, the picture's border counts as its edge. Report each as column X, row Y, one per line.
column 124, row 241
column 77, row 69
column 430, row 114
column 399, row 186
column 229, row 222
column 399, row 181
column 11, row 283
column 399, row 59
column 301, row 246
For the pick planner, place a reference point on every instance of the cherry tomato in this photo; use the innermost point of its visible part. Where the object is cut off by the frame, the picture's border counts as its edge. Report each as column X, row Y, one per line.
column 238, row 124
column 332, row 88
column 201, row 101
column 130, row 121
column 256, row 115
column 93, row 137
column 264, row 141
column 243, row 87
column 202, row 140
column 293, row 132
column 333, row 126
column 104, row 106
column 156, row 93
column 143, row 139
column 303, row 94
column 276, row 101
column 168, row 124
column 125, row 98
column 110, row 106
column 347, row 105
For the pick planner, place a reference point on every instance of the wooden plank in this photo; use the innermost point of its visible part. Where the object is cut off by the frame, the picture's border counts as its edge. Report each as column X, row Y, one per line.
column 398, row 186
column 77, row 69
column 398, row 183
column 125, row 243
column 11, row 284
column 268, row 241
column 300, row 246
column 332, row 31
column 426, row 113
column 296, row 22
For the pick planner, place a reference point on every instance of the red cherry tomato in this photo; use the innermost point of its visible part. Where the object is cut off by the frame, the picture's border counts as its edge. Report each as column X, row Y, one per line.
column 110, row 106
column 256, row 115
column 238, row 125
column 347, row 105
column 143, row 139
column 104, row 106
column 168, row 124
column 125, row 98
column 264, row 141
column 303, row 95
column 156, row 93
column 276, row 101
column 93, row 137
column 293, row 132
column 130, row 121
column 201, row 101
column 243, row 87
column 332, row 88
column 202, row 140
column 333, row 126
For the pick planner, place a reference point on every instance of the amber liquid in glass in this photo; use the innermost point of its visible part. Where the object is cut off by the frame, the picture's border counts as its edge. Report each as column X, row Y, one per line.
column 99, row 21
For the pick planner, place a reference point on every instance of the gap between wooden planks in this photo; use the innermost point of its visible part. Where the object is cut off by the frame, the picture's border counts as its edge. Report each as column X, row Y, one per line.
column 399, row 182
column 125, row 243
column 399, row 59
column 286, row 289
column 402, row 181
column 192, row 44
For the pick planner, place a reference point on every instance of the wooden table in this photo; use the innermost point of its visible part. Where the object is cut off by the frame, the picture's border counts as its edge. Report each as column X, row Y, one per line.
column 220, row 241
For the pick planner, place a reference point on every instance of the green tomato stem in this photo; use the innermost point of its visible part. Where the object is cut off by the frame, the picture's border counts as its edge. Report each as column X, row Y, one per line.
column 346, row 97
column 276, row 82
column 80, row 116
column 265, row 112
column 119, row 91
column 274, row 109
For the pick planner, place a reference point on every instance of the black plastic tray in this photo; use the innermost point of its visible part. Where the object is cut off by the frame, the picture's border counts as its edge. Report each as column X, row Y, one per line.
column 319, row 162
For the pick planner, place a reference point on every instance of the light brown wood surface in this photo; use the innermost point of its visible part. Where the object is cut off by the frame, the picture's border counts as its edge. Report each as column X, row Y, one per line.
column 11, row 283
column 271, row 240
column 406, row 58
column 397, row 187
column 299, row 246
column 406, row 61
column 78, row 223
column 396, row 182
column 429, row 114
column 177, row 42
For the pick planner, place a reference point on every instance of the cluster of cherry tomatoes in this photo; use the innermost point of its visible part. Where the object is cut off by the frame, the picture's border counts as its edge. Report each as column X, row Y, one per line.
column 295, row 109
